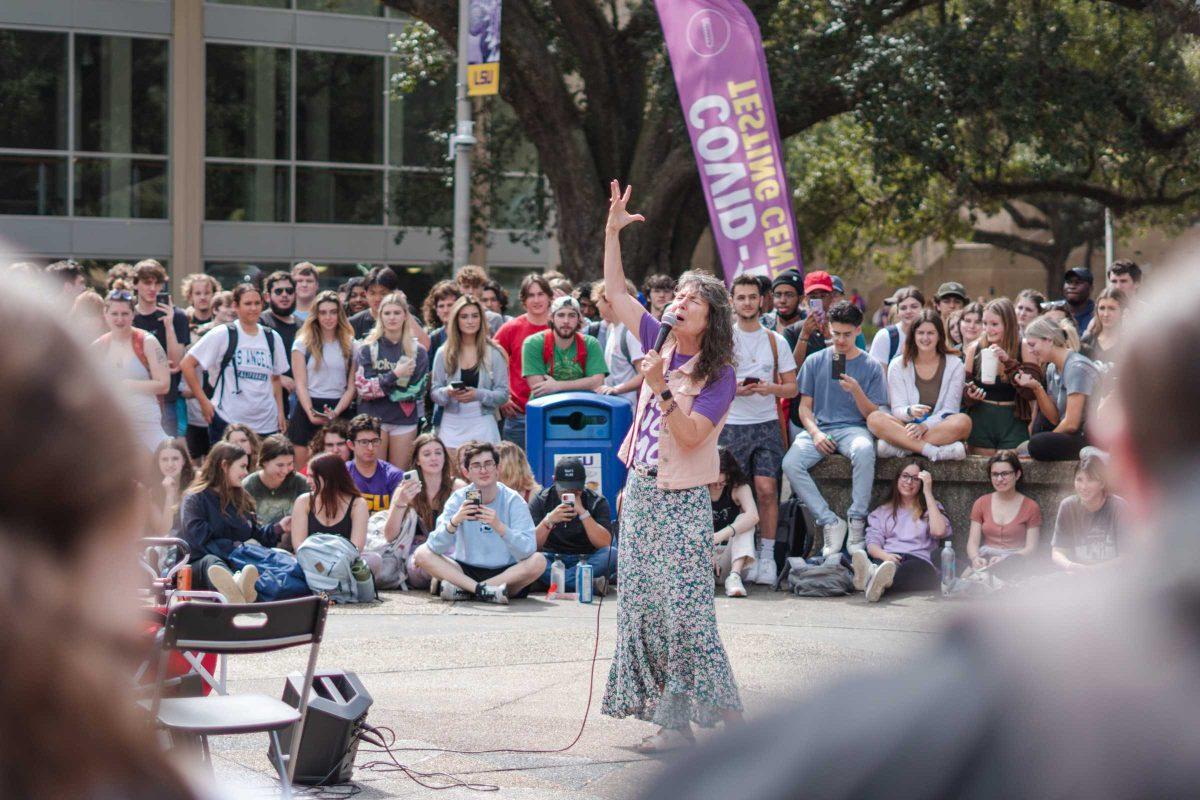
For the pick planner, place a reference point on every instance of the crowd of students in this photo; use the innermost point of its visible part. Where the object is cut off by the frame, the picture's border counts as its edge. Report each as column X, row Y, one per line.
column 248, row 397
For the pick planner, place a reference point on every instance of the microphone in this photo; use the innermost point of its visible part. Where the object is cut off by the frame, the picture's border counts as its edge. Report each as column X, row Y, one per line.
column 667, row 322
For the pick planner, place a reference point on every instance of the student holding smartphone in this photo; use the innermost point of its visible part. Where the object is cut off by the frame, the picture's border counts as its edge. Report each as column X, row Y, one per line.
column 470, row 378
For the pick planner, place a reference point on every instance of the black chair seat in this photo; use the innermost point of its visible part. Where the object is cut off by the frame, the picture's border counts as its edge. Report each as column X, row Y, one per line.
column 225, row 714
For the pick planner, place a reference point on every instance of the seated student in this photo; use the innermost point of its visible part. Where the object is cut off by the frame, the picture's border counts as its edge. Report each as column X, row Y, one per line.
column 562, row 359
column 495, row 552
column 1100, row 343
column 175, row 469
column 1063, row 405
column 217, row 514
column 515, row 472
column 734, row 519
column 375, row 478
column 242, row 436
column 998, row 418
column 333, row 506
column 1005, row 524
column 330, row 439
column 274, row 486
column 902, row 536
column 1090, row 521
column 833, row 413
column 580, row 530
column 925, row 386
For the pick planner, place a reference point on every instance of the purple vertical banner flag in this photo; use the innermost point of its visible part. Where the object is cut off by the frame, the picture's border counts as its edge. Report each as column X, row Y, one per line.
column 721, row 76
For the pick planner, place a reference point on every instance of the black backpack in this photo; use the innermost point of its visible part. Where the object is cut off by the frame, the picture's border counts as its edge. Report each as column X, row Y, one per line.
column 792, row 536
column 231, row 348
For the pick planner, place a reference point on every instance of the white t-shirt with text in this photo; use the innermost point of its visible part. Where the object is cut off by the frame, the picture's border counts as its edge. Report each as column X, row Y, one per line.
column 248, row 396
column 753, row 359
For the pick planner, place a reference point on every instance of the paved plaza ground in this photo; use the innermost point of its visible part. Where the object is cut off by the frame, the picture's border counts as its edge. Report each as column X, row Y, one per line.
column 466, row 676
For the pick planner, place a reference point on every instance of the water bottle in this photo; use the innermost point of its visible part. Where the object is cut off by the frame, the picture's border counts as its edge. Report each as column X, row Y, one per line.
column 949, row 569
column 583, row 581
column 558, row 576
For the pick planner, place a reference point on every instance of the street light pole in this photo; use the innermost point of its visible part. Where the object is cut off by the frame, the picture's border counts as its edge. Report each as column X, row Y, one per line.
column 461, row 143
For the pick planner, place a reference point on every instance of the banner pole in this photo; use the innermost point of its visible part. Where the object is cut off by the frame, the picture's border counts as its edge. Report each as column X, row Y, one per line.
column 462, row 141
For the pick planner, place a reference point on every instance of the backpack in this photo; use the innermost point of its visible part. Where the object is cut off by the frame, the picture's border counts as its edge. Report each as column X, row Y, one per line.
column 231, row 349
column 819, row 580
column 139, row 350
column 394, row 554
column 548, row 352
column 328, row 562
column 893, row 341
column 791, row 530
column 279, row 576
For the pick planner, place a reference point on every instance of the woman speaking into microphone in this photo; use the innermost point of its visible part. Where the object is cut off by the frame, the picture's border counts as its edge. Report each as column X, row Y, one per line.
column 670, row 667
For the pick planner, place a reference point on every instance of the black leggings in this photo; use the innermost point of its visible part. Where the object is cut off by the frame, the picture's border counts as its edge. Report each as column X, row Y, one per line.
column 1046, row 445
column 914, row 574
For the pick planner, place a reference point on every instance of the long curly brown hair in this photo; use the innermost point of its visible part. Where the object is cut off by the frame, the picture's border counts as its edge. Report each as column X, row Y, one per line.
column 716, row 346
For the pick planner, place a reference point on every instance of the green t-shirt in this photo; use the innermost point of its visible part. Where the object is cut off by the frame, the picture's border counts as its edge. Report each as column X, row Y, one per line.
column 272, row 505
column 566, row 366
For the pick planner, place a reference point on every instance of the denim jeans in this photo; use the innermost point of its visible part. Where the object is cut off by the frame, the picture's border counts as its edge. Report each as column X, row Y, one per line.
column 854, row 442
column 603, row 561
column 514, row 430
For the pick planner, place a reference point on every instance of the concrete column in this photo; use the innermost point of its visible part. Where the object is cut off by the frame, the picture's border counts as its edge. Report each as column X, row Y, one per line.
column 187, row 139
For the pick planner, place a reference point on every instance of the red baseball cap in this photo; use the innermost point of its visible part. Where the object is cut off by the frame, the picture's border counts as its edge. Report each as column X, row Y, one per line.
column 818, row 280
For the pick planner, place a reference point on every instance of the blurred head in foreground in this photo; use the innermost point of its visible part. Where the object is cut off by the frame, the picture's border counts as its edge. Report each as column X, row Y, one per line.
column 69, row 631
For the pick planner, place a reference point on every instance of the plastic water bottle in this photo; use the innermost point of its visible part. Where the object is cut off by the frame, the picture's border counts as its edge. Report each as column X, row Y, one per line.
column 583, row 582
column 949, row 569
column 558, row 576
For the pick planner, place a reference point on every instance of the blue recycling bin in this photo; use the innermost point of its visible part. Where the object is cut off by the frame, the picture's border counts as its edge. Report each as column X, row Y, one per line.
column 587, row 426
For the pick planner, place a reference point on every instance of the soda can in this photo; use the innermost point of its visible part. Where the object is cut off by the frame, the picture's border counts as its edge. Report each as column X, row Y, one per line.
column 583, row 582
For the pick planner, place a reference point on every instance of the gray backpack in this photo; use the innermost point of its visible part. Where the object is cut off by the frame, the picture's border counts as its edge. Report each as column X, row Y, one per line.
column 829, row 579
column 329, row 567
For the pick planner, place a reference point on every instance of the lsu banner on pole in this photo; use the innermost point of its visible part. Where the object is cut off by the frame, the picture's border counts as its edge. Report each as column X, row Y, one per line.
column 721, row 76
column 483, row 48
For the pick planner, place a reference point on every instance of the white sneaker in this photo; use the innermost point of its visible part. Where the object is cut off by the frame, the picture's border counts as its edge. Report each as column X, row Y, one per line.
column 766, row 573
column 835, row 537
column 750, row 573
column 886, row 449
column 862, row 569
column 857, row 536
column 449, row 591
column 880, row 580
column 955, row 451
column 734, row 586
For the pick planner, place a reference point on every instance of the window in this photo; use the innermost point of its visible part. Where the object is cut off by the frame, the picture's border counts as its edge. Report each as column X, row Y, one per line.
column 120, row 95
column 345, row 196
column 120, row 187
column 33, row 90
column 32, row 184
column 246, row 105
column 246, row 192
column 339, row 107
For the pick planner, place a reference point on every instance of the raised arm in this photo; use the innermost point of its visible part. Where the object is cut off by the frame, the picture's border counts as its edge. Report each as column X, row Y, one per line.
column 628, row 310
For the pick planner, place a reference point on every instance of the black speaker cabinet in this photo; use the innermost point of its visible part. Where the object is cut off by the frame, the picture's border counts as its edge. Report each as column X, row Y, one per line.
column 328, row 744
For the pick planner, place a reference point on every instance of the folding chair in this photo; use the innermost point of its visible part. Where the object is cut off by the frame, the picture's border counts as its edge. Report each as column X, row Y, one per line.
column 228, row 630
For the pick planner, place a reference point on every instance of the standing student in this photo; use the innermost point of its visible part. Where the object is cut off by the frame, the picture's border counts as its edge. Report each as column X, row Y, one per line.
column 168, row 324
column 766, row 374
column 379, row 283
column 471, row 281
column 535, row 296
column 248, row 361
column 436, row 309
column 562, row 359
column 1125, row 275
column 1064, row 403
column 199, row 289
column 786, row 291
column 392, row 378
column 1028, row 306
column 245, row 438
column 280, row 291
column 660, row 291
column 996, row 423
column 470, row 378
column 1100, row 343
column 950, row 297
column 304, row 275
column 1005, row 524
column 136, row 359
column 375, row 478
column 925, row 387
column 1077, row 291
column 888, row 341
column 495, row 299
column 903, row 535
column 670, row 667
column 323, row 366
column 622, row 350
column 840, row 387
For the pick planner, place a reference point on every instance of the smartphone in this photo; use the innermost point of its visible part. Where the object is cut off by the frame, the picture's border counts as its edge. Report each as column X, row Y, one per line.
column 838, row 363
column 164, row 294
column 750, row 381
column 569, row 498
column 411, row 475
column 457, row 385
column 816, row 308
column 474, row 497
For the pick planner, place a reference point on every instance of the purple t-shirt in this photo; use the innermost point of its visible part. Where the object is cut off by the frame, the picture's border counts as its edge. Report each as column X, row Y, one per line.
column 712, row 401
column 377, row 490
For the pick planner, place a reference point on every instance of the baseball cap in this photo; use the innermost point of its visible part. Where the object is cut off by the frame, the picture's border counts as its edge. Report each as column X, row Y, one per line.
column 818, row 280
column 838, row 286
column 569, row 474
column 952, row 289
column 1080, row 273
column 789, row 277
column 566, row 301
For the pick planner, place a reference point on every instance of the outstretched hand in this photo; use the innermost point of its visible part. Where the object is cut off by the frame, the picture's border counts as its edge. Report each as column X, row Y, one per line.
column 618, row 216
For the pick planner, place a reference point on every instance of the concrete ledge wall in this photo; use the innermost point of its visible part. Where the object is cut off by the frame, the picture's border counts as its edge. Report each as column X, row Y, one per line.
column 957, row 484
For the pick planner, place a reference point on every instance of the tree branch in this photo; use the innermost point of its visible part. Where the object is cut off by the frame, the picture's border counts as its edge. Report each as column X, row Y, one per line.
column 1186, row 14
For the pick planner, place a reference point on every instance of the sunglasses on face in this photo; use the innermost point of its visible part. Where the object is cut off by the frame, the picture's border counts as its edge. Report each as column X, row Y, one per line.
column 283, row 290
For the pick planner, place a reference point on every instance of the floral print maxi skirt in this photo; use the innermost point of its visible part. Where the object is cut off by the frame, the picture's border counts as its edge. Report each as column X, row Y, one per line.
column 669, row 667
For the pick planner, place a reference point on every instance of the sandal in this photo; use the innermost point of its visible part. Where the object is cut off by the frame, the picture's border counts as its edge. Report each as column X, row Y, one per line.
column 665, row 741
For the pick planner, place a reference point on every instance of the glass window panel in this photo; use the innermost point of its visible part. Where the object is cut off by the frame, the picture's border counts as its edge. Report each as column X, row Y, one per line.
column 422, row 199
column 516, row 202
column 33, row 185
column 120, row 94
column 370, row 8
column 246, row 106
column 262, row 3
column 347, row 196
column 246, row 192
column 339, row 114
column 120, row 187
column 33, row 90
column 419, row 124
